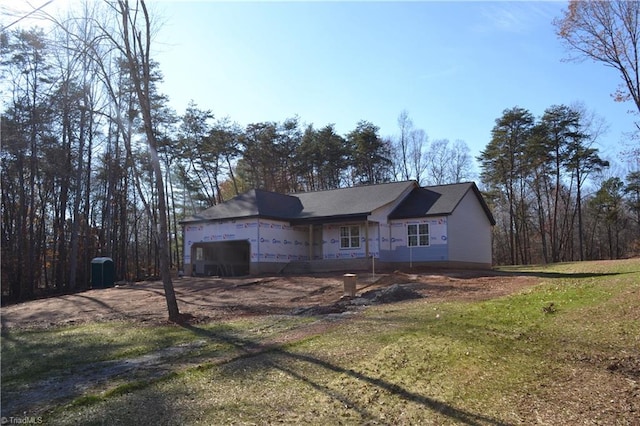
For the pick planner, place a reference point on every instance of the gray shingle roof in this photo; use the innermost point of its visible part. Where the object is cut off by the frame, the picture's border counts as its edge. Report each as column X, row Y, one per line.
column 359, row 200
column 440, row 200
column 337, row 204
column 253, row 203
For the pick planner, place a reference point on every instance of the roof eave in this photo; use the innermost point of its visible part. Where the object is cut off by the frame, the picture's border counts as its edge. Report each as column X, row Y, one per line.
column 480, row 198
column 436, row 214
column 317, row 220
column 219, row 219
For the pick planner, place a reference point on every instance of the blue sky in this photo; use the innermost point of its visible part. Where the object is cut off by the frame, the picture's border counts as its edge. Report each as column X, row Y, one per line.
column 454, row 66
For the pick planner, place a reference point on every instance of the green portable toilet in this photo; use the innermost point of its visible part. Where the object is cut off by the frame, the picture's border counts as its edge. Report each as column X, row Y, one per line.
column 102, row 272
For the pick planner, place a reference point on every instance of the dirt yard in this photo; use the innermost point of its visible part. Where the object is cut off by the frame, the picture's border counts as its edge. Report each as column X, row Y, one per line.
column 204, row 299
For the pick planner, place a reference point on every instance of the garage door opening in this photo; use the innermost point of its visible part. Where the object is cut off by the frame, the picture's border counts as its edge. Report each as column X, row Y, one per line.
column 221, row 258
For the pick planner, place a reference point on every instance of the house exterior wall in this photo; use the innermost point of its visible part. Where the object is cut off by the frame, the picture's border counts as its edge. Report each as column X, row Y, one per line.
column 377, row 221
column 271, row 242
column 331, row 242
column 470, row 233
column 395, row 247
column 280, row 242
column 218, row 231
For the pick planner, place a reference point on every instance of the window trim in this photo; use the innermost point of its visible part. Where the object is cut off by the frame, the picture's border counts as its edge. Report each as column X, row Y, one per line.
column 418, row 236
column 349, row 237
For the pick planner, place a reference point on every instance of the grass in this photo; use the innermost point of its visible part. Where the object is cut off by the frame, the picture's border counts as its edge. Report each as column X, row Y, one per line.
column 540, row 356
column 35, row 354
column 31, row 355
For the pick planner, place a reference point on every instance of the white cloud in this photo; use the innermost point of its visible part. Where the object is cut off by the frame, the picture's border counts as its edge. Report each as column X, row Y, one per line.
column 516, row 17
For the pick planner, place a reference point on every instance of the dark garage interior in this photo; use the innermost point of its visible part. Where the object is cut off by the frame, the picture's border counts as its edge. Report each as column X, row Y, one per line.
column 221, row 258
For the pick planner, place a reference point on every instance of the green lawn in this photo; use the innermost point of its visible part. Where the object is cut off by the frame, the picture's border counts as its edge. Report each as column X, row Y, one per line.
column 566, row 351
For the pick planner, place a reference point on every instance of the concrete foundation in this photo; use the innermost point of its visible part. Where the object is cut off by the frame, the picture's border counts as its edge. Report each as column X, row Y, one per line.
column 342, row 265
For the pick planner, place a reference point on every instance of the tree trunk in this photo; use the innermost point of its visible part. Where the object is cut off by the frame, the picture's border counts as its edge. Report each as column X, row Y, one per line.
column 139, row 66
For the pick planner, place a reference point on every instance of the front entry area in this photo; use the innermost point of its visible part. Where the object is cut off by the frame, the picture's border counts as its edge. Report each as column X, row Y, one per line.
column 221, row 258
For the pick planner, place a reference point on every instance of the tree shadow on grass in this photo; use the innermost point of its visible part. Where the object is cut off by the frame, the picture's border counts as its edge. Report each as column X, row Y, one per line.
column 36, row 371
column 269, row 355
column 80, row 301
column 559, row 275
column 512, row 272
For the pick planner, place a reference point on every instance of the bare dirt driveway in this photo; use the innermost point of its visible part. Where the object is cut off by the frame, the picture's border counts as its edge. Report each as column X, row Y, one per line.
column 203, row 299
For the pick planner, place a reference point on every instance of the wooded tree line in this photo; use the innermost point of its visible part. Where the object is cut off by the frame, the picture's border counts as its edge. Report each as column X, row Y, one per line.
column 535, row 171
column 84, row 126
column 290, row 156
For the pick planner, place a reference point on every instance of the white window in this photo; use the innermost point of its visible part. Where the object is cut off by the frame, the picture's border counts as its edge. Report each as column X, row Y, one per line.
column 349, row 237
column 199, row 253
column 418, row 235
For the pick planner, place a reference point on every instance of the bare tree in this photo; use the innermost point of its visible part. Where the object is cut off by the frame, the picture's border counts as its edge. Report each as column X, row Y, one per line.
column 447, row 163
column 417, row 140
column 461, row 164
column 135, row 46
column 406, row 125
column 606, row 32
column 438, row 160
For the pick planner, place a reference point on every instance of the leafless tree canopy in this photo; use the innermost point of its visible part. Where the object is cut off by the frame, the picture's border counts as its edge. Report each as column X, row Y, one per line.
column 606, row 32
